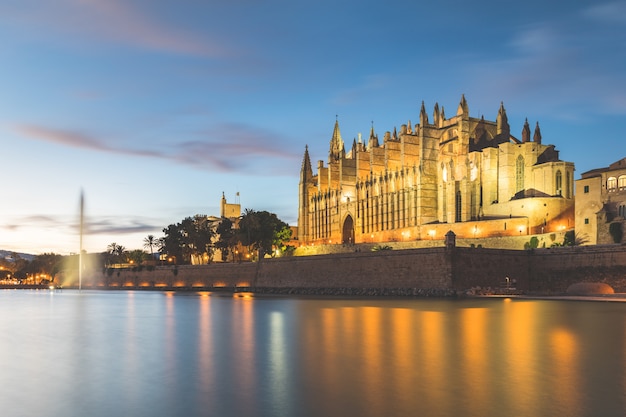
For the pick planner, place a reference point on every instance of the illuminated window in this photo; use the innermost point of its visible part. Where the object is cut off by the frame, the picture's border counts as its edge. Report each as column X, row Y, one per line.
column 519, row 174
column 621, row 182
column 559, row 183
column 611, row 184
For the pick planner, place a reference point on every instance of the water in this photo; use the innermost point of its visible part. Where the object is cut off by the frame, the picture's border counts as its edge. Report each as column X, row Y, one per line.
column 182, row 354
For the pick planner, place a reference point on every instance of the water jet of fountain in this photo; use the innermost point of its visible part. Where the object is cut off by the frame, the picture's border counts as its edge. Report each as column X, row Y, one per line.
column 80, row 252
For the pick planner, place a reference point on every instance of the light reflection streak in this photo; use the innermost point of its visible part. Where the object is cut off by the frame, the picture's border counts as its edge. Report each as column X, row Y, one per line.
column 520, row 356
column 277, row 361
column 244, row 353
column 433, row 359
column 475, row 361
column 565, row 373
column 205, row 331
column 373, row 359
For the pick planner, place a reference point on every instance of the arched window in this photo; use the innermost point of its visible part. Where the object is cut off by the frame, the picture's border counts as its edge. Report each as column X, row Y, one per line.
column 621, row 182
column 559, row 183
column 519, row 174
column 568, row 188
column 611, row 184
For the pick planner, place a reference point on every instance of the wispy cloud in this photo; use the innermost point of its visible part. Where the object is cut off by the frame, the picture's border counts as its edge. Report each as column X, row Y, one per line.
column 112, row 21
column 226, row 148
column 608, row 12
column 558, row 66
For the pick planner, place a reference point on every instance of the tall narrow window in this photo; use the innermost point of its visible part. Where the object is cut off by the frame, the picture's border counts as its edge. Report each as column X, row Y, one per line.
column 458, row 207
column 568, row 188
column 559, row 183
column 519, row 174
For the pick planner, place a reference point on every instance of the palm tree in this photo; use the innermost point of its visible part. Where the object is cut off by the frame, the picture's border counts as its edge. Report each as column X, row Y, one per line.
column 112, row 248
column 149, row 242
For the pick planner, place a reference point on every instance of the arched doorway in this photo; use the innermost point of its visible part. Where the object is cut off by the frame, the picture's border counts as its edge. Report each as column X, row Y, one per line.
column 347, row 235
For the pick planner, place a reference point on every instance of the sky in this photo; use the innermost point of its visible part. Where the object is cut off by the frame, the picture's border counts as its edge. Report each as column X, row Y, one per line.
column 154, row 108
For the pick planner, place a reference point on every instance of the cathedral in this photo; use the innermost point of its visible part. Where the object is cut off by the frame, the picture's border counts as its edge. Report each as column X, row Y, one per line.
column 464, row 174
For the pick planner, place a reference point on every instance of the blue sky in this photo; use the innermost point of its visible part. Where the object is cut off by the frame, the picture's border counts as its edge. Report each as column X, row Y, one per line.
column 155, row 107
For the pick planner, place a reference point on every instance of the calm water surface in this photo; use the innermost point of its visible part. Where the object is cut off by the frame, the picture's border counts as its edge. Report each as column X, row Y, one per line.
column 182, row 354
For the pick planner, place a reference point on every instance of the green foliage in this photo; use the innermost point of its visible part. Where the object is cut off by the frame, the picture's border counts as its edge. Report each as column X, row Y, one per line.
column 137, row 256
column 616, row 232
column 227, row 238
column 191, row 237
column 263, row 231
column 532, row 244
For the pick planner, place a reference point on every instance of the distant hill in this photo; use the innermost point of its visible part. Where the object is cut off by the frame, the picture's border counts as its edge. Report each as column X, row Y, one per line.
column 7, row 254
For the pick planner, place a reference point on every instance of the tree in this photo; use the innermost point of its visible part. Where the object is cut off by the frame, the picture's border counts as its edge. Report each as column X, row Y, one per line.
column 190, row 238
column 115, row 253
column 262, row 231
column 137, row 256
column 226, row 240
column 150, row 242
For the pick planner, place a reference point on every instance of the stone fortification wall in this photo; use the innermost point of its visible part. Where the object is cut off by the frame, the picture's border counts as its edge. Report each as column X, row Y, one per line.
column 553, row 270
column 532, row 271
column 423, row 269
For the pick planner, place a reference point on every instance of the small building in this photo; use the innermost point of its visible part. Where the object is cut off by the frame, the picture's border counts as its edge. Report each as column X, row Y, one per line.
column 601, row 204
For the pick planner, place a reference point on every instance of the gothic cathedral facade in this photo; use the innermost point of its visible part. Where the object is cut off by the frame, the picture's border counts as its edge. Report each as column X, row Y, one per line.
column 464, row 174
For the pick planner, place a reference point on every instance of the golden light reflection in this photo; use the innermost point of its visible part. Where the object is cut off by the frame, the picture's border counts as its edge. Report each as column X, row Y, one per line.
column 205, row 343
column 565, row 373
column 475, row 361
column 431, row 325
column 373, row 355
column 518, row 350
column 243, row 320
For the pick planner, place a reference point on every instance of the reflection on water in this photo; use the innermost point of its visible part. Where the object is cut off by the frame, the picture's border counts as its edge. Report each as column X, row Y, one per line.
column 182, row 354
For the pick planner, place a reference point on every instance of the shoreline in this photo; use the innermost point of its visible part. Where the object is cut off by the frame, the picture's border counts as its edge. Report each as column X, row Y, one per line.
column 346, row 292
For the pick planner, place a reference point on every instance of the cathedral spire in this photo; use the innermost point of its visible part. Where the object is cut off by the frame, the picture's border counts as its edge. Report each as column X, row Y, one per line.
column 423, row 115
column 373, row 142
column 337, row 149
column 436, row 114
column 526, row 132
column 306, row 171
column 537, row 135
column 502, row 121
column 463, row 108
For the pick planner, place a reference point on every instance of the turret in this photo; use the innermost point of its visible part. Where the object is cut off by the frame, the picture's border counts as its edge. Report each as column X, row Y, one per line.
column 463, row 108
column 423, row 116
column 373, row 141
column 537, row 135
column 526, row 132
column 337, row 149
column 306, row 172
column 502, row 122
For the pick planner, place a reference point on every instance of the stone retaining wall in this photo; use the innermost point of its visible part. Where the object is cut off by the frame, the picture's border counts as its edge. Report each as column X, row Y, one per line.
column 457, row 269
